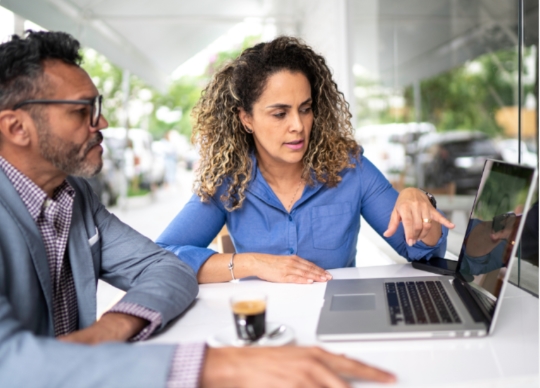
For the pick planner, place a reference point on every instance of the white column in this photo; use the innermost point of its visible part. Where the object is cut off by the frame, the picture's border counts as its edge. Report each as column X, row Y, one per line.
column 18, row 24
column 326, row 27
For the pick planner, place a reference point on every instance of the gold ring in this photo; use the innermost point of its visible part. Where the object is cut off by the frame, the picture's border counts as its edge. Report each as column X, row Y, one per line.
column 426, row 220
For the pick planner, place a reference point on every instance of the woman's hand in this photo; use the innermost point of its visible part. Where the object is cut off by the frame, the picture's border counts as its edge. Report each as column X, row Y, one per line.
column 287, row 269
column 274, row 268
column 421, row 221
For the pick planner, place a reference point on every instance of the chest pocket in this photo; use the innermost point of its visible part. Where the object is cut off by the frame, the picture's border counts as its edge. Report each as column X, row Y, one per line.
column 330, row 225
column 95, row 244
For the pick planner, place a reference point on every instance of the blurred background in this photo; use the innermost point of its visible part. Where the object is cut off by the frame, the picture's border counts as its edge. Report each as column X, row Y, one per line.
column 435, row 87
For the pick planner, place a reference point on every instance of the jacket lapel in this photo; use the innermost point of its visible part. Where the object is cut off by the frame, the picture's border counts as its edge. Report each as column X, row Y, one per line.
column 14, row 205
column 82, row 267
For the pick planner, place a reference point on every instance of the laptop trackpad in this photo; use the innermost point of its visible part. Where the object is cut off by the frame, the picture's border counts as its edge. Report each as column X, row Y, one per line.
column 353, row 302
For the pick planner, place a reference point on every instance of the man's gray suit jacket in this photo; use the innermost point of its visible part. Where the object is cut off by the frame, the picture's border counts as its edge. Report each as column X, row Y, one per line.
column 99, row 247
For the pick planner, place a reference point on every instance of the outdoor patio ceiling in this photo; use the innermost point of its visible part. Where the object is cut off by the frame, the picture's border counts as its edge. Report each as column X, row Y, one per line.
column 150, row 38
column 418, row 39
column 415, row 39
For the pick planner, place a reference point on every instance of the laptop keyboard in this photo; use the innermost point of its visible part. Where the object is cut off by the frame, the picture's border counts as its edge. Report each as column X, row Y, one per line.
column 419, row 303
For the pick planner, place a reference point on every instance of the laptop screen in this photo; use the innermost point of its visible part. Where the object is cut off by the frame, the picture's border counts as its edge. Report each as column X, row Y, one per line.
column 493, row 225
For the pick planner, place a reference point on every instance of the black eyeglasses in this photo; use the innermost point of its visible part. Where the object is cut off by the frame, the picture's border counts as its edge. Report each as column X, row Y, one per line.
column 95, row 106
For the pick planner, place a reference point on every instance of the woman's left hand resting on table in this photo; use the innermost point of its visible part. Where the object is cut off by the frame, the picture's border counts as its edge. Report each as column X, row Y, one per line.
column 273, row 268
column 421, row 221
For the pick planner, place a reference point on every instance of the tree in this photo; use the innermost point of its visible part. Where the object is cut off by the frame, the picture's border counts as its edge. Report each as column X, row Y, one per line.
column 468, row 96
column 185, row 92
column 181, row 97
column 108, row 79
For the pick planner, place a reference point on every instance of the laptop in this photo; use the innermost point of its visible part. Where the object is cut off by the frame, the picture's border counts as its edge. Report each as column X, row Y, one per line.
column 465, row 304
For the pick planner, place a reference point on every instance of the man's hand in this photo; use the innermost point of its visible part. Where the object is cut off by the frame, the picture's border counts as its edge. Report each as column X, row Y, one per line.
column 111, row 327
column 284, row 367
column 421, row 221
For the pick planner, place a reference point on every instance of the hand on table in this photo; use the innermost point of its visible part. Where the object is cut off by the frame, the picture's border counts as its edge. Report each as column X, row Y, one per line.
column 288, row 269
column 284, row 367
column 111, row 327
column 421, row 221
column 273, row 268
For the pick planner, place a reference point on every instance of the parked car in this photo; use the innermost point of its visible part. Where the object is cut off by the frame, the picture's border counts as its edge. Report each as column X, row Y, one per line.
column 138, row 157
column 192, row 158
column 509, row 152
column 389, row 146
column 456, row 156
column 158, row 172
column 108, row 184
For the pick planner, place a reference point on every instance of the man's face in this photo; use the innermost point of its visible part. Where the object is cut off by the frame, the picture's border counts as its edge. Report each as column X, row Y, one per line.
column 65, row 137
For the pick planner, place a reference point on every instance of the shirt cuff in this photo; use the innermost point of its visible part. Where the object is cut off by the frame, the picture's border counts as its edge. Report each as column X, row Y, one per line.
column 141, row 312
column 186, row 366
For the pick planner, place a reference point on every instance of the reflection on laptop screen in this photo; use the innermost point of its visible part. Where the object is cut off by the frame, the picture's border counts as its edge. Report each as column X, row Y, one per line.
column 493, row 225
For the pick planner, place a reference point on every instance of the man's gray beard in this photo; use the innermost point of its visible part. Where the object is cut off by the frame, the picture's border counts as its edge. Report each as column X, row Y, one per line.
column 67, row 156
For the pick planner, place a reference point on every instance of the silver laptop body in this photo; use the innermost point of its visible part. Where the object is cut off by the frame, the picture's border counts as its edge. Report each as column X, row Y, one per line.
column 464, row 305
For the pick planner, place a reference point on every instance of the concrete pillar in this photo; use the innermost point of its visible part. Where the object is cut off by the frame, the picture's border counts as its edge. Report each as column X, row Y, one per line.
column 326, row 26
column 417, row 101
column 126, row 75
column 18, row 24
column 125, row 99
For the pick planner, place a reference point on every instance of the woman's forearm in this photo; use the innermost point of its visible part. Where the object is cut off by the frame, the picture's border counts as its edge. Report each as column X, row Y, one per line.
column 273, row 268
column 216, row 268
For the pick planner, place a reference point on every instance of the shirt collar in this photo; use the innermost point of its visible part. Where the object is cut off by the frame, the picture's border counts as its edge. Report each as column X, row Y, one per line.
column 261, row 189
column 31, row 194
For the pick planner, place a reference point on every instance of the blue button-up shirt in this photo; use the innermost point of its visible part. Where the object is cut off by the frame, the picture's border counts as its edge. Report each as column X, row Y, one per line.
column 322, row 226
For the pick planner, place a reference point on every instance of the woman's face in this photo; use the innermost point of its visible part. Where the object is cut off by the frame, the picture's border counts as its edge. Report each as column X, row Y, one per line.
column 281, row 118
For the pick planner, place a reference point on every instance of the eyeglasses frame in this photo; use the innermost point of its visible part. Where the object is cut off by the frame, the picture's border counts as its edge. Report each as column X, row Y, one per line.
column 94, row 119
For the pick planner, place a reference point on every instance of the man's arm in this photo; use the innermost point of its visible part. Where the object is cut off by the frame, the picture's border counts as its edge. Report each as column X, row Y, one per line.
column 287, row 366
column 154, row 279
column 111, row 327
column 192, row 230
column 28, row 360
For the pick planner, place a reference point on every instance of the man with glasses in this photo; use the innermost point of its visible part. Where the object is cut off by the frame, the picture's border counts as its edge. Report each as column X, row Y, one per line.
column 56, row 240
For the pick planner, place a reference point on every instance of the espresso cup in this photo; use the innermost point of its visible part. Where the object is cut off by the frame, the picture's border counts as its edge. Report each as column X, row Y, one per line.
column 249, row 313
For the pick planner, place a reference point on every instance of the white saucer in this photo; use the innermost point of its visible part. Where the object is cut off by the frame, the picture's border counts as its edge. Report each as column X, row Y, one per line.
column 228, row 337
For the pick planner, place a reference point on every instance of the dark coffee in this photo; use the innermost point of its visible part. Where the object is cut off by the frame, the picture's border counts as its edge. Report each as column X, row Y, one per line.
column 250, row 319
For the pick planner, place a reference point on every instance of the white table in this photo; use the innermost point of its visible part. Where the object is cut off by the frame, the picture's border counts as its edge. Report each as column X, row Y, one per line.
column 508, row 358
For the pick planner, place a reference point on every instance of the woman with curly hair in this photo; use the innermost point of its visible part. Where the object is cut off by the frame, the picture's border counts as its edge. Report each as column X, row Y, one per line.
column 280, row 167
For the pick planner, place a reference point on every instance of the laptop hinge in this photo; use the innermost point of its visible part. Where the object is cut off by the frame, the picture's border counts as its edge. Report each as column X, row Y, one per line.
column 470, row 300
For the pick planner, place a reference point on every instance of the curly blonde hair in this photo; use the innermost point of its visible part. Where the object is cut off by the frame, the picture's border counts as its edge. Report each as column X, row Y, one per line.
column 225, row 146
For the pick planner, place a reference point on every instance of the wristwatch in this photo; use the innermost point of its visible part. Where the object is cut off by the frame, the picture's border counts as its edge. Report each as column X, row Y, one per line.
column 431, row 198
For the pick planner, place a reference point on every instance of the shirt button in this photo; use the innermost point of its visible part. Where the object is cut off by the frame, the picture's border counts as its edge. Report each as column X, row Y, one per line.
column 290, row 217
column 291, row 251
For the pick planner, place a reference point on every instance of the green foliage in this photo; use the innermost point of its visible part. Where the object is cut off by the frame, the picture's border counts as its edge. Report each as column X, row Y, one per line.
column 373, row 106
column 182, row 95
column 108, row 79
column 495, row 199
column 136, row 191
column 224, row 57
column 467, row 97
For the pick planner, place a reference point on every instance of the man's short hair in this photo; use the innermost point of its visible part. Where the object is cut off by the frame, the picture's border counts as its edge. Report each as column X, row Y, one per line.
column 22, row 63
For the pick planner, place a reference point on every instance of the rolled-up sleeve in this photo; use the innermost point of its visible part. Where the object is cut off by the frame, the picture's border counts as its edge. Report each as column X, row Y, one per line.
column 192, row 230
column 378, row 200
column 153, row 318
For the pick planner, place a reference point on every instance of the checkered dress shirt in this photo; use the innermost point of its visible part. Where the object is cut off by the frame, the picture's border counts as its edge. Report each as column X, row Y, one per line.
column 53, row 218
